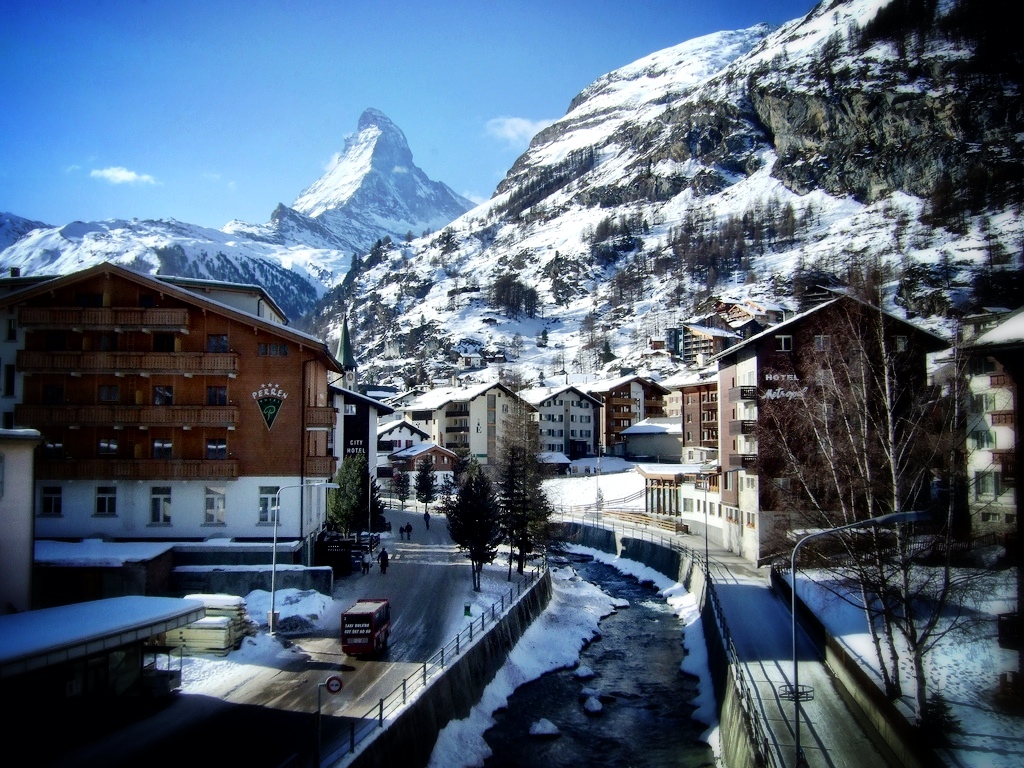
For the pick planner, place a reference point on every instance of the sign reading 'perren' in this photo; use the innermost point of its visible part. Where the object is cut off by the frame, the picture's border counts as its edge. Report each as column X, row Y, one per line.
column 269, row 398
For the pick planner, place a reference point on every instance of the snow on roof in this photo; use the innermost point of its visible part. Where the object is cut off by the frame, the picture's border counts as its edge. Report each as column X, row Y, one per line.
column 655, row 426
column 1010, row 331
column 415, row 450
column 388, row 426
column 537, row 395
column 97, row 553
column 56, row 633
column 709, row 331
column 440, row 396
column 552, row 457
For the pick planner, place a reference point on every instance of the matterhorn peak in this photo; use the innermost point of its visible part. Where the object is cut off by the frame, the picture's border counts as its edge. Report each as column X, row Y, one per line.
column 373, row 188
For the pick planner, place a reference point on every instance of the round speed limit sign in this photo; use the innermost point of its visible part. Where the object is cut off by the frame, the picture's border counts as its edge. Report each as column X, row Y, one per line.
column 333, row 684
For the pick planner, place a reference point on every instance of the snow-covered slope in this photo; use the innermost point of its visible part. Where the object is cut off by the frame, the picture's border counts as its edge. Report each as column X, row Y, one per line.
column 738, row 163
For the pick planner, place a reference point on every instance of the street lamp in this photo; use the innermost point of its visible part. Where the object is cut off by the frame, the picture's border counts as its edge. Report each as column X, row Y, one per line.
column 794, row 692
column 273, row 554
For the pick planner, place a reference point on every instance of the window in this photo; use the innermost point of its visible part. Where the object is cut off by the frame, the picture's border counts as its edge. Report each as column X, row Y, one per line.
column 107, row 342
column 217, row 342
column 272, row 350
column 53, row 449
column 108, row 446
column 52, row 501
column 822, row 343
column 160, row 505
column 162, row 448
column 9, row 380
column 106, row 501
column 3, row 468
column 350, row 409
column 12, row 329
column 109, row 393
column 983, row 438
column 687, row 505
column 988, row 484
column 901, row 343
column 784, row 343
column 55, row 341
column 216, row 395
column 163, row 342
column 268, row 503
column 215, row 505
column 984, row 402
column 163, row 395
column 216, row 448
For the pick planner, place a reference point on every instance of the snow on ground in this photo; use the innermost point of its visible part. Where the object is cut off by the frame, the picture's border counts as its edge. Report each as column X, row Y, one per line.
column 963, row 668
column 555, row 640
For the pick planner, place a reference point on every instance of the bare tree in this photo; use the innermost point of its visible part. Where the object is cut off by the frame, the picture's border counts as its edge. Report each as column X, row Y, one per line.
column 863, row 436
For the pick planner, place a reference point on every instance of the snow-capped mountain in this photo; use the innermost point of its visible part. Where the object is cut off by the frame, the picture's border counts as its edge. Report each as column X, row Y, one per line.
column 870, row 142
column 374, row 187
column 373, row 191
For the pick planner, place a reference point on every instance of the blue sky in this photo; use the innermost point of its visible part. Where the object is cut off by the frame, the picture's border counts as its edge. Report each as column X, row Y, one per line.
column 215, row 110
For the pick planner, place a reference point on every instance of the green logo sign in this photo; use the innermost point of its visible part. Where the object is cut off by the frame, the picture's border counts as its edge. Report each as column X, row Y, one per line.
column 269, row 398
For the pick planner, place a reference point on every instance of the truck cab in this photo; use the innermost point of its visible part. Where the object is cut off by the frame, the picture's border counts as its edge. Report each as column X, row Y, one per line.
column 366, row 627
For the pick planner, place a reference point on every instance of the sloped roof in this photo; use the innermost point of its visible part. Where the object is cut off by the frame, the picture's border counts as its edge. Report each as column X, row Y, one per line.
column 655, row 426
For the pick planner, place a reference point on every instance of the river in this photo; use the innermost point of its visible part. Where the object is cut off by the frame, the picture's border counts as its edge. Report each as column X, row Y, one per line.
column 645, row 720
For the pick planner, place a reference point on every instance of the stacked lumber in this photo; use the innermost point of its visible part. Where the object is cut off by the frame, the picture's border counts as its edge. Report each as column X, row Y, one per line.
column 221, row 631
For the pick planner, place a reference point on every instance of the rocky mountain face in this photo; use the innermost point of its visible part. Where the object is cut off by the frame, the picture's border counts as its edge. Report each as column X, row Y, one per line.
column 373, row 191
column 873, row 144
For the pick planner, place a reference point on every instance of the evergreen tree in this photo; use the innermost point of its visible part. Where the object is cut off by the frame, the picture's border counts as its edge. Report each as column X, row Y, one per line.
column 426, row 483
column 349, row 507
column 524, row 505
column 400, row 484
column 474, row 518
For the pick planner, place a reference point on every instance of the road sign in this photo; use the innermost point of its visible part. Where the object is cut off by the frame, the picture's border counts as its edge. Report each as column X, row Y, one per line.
column 333, row 684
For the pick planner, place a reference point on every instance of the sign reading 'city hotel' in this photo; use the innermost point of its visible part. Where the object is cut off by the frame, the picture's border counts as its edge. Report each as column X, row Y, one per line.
column 269, row 398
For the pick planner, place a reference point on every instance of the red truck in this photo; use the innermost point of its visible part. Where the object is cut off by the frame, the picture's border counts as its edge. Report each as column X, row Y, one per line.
column 366, row 626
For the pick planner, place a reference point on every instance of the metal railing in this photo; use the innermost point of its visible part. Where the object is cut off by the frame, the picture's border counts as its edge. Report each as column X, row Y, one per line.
column 389, row 705
column 763, row 743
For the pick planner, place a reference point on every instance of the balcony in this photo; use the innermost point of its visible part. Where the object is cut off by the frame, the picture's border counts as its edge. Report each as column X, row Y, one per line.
column 456, row 430
column 320, row 466
column 318, row 416
column 738, row 394
column 1006, row 459
column 1002, row 418
column 198, row 363
column 457, row 413
column 709, row 405
column 140, row 469
column 127, row 415
column 1000, row 380
column 104, row 319
column 621, row 401
column 747, row 461
column 744, row 427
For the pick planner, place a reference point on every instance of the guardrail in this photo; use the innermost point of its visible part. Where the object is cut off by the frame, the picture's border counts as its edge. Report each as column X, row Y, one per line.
column 648, row 528
column 392, row 703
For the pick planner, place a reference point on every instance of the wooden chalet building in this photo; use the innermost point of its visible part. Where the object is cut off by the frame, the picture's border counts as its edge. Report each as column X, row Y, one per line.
column 168, row 409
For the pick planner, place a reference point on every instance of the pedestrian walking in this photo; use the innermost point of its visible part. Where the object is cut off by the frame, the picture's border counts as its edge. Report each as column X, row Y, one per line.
column 426, row 520
column 382, row 558
column 367, row 562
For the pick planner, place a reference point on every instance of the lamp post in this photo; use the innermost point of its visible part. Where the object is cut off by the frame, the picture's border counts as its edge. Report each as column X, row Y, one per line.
column 273, row 554
column 794, row 692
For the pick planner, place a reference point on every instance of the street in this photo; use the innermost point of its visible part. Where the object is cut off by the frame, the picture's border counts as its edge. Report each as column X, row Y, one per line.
column 269, row 720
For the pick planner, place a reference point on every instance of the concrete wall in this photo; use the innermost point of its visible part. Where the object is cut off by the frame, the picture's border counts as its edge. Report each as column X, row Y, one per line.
column 409, row 740
column 241, row 580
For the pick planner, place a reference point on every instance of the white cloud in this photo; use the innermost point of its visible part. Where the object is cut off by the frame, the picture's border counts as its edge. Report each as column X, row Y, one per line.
column 119, row 175
column 515, row 131
column 333, row 162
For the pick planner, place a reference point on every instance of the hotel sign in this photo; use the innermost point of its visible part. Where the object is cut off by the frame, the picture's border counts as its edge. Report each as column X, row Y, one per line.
column 269, row 398
column 783, row 393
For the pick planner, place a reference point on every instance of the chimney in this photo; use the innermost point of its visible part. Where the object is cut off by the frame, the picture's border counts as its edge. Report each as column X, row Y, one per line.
column 15, row 271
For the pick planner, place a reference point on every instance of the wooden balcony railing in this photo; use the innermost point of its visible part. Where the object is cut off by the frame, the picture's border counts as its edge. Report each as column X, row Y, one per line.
column 199, row 363
column 1002, row 418
column 1000, row 380
column 320, row 466
column 104, row 318
column 127, row 415
column 138, row 469
column 320, row 416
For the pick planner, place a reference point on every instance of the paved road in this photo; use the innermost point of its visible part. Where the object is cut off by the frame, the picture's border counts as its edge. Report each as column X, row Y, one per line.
column 269, row 720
